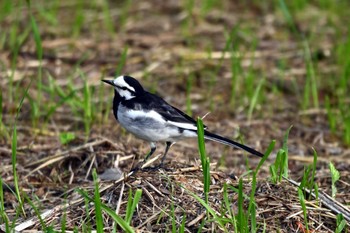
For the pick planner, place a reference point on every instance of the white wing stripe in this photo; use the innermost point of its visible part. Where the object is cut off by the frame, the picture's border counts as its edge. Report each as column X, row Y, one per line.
column 151, row 114
column 156, row 116
column 183, row 125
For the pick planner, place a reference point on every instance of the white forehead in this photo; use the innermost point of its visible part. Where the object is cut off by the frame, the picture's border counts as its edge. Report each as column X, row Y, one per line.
column 120, row 82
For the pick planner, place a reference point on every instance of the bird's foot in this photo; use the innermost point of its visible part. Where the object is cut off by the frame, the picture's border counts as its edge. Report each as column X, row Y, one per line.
column 135, row 170
column 154, row 168
column 233, row 176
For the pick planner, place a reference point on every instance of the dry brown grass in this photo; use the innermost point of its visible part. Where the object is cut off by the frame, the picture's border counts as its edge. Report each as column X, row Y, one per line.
column 160, row 55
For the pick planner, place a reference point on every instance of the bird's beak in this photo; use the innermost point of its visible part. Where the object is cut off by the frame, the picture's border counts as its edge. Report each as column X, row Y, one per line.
column 110, row 82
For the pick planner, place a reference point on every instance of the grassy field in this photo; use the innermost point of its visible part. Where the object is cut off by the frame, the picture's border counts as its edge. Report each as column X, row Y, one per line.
column 274, row 75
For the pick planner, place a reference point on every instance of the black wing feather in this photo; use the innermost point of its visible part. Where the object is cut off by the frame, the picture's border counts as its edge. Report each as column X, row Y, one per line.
column 149, row 101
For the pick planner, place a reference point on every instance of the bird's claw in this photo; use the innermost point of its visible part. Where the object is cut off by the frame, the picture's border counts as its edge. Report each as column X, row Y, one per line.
column 154, row 168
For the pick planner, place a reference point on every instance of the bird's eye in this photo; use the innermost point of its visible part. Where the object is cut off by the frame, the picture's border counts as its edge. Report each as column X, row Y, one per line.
column 123, row 88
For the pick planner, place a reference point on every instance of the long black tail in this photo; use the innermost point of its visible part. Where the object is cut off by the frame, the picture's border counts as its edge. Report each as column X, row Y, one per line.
column 217, row 138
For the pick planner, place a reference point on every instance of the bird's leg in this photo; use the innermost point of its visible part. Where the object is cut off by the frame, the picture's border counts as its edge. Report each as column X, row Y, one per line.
column 153, row 149
column 168, row 145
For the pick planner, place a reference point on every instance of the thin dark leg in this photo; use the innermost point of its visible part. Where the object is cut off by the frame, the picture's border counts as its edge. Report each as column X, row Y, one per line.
column 153, row 149
column 168, row 145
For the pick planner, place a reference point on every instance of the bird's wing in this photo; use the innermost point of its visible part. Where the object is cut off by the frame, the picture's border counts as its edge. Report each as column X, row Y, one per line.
column 173, row 115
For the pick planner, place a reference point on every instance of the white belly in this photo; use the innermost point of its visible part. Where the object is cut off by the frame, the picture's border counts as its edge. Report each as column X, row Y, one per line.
column 151, row 126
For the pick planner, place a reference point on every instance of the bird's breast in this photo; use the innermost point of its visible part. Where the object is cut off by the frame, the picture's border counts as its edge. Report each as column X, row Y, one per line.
column 149, row 125
column 116, row 102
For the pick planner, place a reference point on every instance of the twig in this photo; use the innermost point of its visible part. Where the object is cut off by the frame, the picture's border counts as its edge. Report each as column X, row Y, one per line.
column 196, row 220
column 60, row 156
column 335, row 206
column 92, row 162
column 33, row 221
column 120, row 198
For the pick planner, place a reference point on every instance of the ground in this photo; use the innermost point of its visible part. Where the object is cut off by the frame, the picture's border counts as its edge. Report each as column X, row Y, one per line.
column 256, row 68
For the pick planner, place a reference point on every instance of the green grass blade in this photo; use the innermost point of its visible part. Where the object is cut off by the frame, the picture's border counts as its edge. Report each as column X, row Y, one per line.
column 14, row 163
column 3, row 129
column 66, row 137
column 304, row 180
column 346, row 122
column 132, row 203
column 122, row 61
column 128, row 206
column 303, row 207
column 1, row 107
column 39, row 51
column 107, row 19
column 266, row 155
column 227, row 207
column 252, row 204
column 37, row 38
column 63, row 100
column 6, row 8
column 136, row 200
column 121, row 222
column 97, row 202
column 87, row 220
column 64, row 218
column 79, row 19
column 283, row 168
column 311, row 76
column 288, row 17
column 236, row 190
column 335, row 175
column 253, row 224
column 312, row 181
column 242, row 220
column 37, row 213
column 201, row 142
column 254, row 99
column 173, row 217
column 4, row 217
column 276, row 169
column 87, row 107
column 14, row 153
column 183, row 224
column 204, row 159
column 341, row 224
column 273, row 173
column 208, row 209
column 285, row 148
column 125, row 13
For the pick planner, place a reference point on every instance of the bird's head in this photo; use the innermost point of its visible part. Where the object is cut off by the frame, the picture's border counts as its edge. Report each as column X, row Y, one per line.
column 126, row 86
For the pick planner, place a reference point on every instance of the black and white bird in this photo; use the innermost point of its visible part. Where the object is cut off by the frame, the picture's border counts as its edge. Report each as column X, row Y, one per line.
column 152, row 119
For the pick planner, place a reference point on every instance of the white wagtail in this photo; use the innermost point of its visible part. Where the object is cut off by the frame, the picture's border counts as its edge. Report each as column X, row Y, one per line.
column 151, row 118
